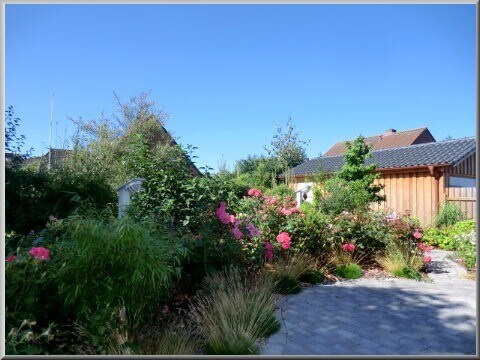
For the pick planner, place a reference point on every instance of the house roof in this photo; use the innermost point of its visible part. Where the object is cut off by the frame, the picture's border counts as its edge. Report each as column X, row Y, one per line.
column 435, row 153
column 390, row 139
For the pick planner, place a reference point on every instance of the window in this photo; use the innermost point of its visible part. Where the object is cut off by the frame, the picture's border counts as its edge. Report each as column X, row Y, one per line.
column 456, row 181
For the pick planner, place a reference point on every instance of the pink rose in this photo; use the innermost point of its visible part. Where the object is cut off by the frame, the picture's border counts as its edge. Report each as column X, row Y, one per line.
column 349, row 247
column 417, row 234
column 254, row 193
column 285, row 212
column 427, row 259
column 40, row 253
column 269, row 248
column 421, row 246
column 284, row 239
column 11, row 258
column 222, row 214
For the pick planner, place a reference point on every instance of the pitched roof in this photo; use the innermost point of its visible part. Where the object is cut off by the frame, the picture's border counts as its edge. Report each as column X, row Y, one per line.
column 390, row 139
column 435, row 153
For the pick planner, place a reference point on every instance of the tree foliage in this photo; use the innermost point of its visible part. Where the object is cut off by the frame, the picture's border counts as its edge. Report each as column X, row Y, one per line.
column 101, row 145
column 355, row 170
column 287, row 146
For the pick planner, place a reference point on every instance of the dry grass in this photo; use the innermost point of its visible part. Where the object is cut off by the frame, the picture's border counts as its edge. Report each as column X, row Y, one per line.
column 232, row 312
column 403, row 261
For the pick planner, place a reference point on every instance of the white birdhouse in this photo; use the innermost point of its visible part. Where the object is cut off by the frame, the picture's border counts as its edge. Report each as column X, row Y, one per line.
column 125, row 191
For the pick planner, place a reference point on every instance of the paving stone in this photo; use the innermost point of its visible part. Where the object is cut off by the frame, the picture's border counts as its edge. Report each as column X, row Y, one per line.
column 381, row 316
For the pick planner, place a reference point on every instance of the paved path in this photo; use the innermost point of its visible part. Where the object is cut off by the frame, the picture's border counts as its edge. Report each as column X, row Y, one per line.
column 381, row 317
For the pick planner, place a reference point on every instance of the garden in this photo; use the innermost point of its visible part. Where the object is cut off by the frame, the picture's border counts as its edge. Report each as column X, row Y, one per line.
column 197, row 264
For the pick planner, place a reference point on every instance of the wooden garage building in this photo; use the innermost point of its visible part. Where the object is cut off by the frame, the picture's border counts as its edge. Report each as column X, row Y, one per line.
column 417, row 178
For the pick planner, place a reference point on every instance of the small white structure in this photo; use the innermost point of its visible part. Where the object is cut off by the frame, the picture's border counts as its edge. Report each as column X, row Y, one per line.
column 125, row 191
column 304, row 193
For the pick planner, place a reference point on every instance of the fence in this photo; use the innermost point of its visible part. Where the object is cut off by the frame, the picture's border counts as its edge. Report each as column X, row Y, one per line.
column 465, row 198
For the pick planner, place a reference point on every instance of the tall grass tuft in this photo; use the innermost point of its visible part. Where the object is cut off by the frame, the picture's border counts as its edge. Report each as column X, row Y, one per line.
column 448, row 215
column 173, row 340
column 401, row 260
column 232, row 312
column 286, row 273
column 113, row 263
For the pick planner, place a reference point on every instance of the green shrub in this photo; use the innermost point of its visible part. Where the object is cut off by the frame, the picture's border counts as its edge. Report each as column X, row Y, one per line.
column 114, row 263
column 312, row 277
column 232, row 312
column 407, row 272
column 444, row 238
column 311, row 232
column 281, row 191
column 31, row 197
column 349, row 271
column 467, row 249
column 31, row 286
column 448, row 215
column 338, row 195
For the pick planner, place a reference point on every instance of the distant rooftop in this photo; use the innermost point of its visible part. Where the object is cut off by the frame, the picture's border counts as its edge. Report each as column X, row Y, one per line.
column 390, row 139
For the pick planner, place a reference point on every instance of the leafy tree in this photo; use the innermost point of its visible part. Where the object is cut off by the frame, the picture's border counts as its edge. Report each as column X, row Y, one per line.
column 287, row 147
column 355, row 170
column 14, row 143
column 102, row 145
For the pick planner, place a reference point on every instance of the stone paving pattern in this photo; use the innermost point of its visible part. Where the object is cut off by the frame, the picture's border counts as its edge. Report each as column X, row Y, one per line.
column 381, row 316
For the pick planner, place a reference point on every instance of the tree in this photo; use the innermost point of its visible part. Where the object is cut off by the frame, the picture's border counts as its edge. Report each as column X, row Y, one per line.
column 14, row 143
column 102, row 145
column 287, row 147
column 354, row 169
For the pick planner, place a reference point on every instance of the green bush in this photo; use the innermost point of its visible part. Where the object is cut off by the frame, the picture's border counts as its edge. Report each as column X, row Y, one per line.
column 448, row 215
column 467, row 249
column 232, row 312
column 407, row 272
column 338, row 195
column 312, row 277
column 109, row 264
column 349, row 271
column 281, row 191
column 31, row 197
column 444, row 238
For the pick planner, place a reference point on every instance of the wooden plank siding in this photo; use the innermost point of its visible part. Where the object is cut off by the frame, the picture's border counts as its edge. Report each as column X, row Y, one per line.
column 465, row 199
column 466, row 167
column 412, row 192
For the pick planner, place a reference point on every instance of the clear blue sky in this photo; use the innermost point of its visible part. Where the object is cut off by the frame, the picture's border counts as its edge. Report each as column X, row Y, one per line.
column 227, row 74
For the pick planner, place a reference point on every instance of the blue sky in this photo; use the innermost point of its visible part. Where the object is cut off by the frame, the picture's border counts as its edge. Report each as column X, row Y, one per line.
column 227, row 74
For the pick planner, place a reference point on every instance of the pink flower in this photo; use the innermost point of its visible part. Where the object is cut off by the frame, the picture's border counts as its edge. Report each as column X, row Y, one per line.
column 11, row 258
column 427, row 259
column 284, row 239
column 428, row 248
column 270, row 200
column 269, row 248
column 349, row 247
column 40, row 253
column 285, row 212
column 232, row 219
column 421, row 246
column 222, row 214
column 417, row 234
column 254, row 193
